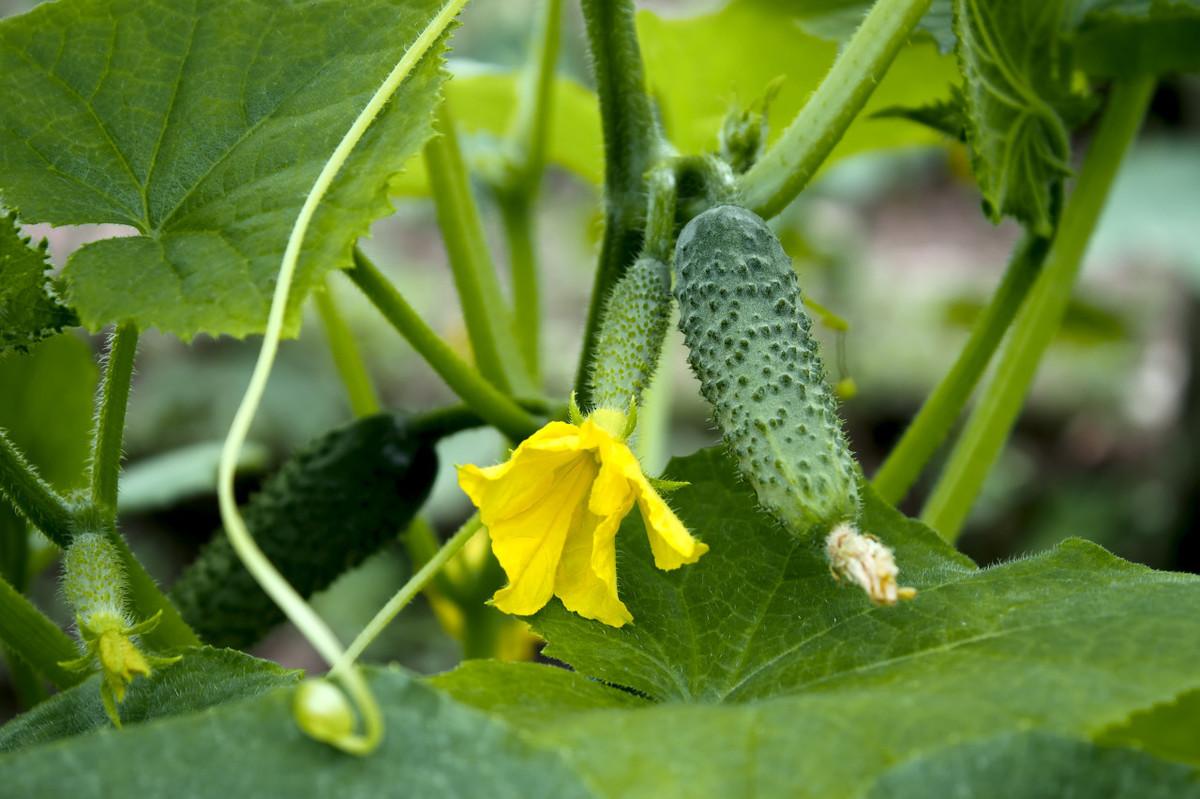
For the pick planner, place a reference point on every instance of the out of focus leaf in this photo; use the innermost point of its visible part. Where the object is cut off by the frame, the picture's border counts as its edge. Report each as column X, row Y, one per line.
column 1122, row 38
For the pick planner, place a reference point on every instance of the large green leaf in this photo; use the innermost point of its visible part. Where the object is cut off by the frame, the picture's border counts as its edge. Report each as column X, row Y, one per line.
column 29, row 312
column 433, row 747
column 1017, row 90
column 763, row 676
column 699, row 67
column 203, row 126
column 204, row 678
column 1120, row 38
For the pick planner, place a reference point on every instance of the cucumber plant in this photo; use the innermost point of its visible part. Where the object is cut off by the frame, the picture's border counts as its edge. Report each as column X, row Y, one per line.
column 248, row 146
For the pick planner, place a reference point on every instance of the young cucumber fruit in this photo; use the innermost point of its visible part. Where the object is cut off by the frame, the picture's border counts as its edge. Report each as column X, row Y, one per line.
column 631, row 334
column 332, row 504
column 750, row 344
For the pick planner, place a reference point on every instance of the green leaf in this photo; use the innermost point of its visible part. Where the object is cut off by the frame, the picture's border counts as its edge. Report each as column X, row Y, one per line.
column 204, row 126
column 433, row 747
column 50, row 420
column 205, row 678
column 755, row 654
column 946, row 116
column 29, row 311
column 1037, row 766
column 1124, row 38
column 483, row 103
column 699, row 67
column 1017, row 85
column 1167, row 730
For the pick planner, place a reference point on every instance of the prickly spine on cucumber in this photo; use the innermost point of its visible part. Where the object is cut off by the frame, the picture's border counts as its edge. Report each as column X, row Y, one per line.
column 631, row 336
column 94, row 580
column 750, row 344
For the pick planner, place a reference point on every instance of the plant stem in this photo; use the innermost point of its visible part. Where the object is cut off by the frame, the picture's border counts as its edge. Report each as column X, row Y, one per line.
column 484, row 308
column 516, row 211
column 944, row 405
column 631, row 144
column 112, row 400
column 489, row 402
column 406, row 593
column 788, row 166
column 31, row 496
column 1038, row 320
column 364, row 401
column 36, row 639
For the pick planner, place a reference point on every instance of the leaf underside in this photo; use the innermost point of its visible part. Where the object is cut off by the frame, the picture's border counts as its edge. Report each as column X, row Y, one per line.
column 203, row 126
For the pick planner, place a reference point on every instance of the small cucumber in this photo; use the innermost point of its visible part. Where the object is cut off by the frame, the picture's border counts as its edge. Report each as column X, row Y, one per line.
column 631, row 334
column 330, row 506
column 94, row 580
column 750, row 344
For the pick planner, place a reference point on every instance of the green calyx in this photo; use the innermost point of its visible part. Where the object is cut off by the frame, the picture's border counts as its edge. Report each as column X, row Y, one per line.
column 750, row 344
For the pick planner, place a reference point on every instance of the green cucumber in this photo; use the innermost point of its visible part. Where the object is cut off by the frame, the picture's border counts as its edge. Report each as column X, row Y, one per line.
column 750, row 344
column 630, row 339
column 330, row 506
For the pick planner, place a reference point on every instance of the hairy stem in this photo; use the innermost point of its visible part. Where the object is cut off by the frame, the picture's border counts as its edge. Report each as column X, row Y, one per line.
column 944, row 405
column 37, row 640
column 112, row 400
column 483, row 305
column 407, row 592
column 631, row 144
column 993, row 418
column 790, row 164
column 489, row 402
column 31, row 496
column 364, row 400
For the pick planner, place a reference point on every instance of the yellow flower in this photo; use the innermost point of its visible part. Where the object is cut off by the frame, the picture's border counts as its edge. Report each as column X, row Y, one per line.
column 553, row 511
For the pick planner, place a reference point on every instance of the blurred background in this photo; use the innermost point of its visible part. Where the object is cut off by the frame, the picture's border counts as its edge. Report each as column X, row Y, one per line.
column 892, row 241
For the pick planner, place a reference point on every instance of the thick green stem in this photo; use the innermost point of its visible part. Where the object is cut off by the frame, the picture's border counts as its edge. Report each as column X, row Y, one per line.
column 631, row 145
column 516, row 210
column 488, row 401
column 1038, row 320
column 483, row 305
column 532, row 122
column 790, row 164
column 26, row 631
column 407, row 592
column 364, row 400
column 942, row 408
column 32, row 497
column 108, row 436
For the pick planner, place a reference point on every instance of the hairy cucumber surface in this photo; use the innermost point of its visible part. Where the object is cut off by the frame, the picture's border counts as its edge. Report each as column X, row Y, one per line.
column 631, row 334
column 750, row 344
column 331, row 505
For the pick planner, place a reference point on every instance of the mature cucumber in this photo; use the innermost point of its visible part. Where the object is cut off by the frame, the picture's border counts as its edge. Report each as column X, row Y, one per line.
column 631, row 334
column 331, row 505
column 750, row 344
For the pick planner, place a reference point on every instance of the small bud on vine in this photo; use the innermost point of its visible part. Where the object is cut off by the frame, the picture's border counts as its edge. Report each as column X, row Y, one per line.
column 867, row 562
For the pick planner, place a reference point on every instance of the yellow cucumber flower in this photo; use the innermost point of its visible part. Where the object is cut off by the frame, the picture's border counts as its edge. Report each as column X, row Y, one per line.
column 553, row 510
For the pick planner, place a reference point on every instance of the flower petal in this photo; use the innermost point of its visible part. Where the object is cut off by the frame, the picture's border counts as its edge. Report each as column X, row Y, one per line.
column 587, row 574
column 529, row 543
column 670, row 541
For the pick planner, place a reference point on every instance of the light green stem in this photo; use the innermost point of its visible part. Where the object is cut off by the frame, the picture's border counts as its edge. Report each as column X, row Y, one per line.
column 944, row 405
column 301, row 614
column 364, row 400
column 516, row 211
column 489, row 402
column 406, row 593
column 790, row 164
column 31, row 496
column 1038, row 320
column 484, row 308
column 39, row 641
column 112, row 401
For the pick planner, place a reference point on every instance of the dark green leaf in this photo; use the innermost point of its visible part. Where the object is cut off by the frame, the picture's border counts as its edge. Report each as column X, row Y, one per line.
column 204, row 126
column 1167, row 730
column 433, row 747
column 1122, row 38
column 945, row 116
column 332, row 504
column 1037, row 766
column 1017, row 86
column 204, row 678
column 755, row 655
column 29, row 311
